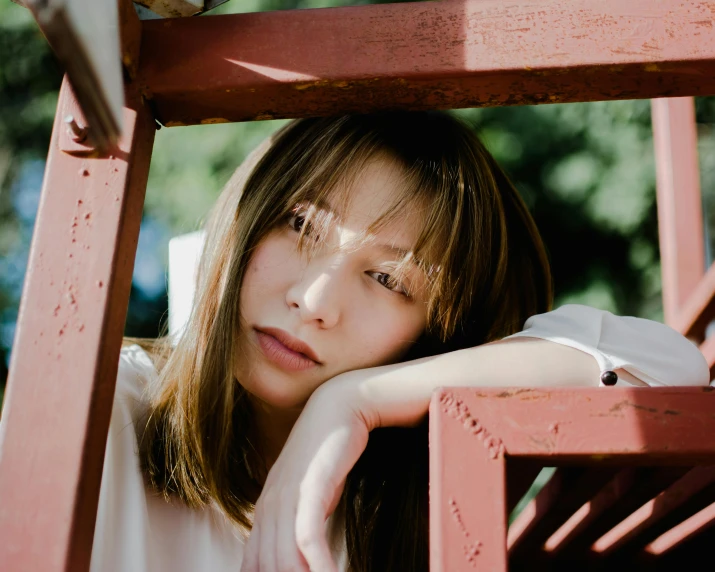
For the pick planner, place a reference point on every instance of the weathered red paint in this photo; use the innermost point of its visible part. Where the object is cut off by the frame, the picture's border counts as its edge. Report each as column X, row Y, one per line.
column 470, row 430
column 65, row 354
column 641, row 425
column 425, row 55
column 680, row 215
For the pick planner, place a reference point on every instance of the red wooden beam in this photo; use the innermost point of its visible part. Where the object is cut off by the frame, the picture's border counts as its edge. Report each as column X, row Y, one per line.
column 467, row 491
column 425, row 55
column 680, row 215
column 641, row 425
column 66, row 349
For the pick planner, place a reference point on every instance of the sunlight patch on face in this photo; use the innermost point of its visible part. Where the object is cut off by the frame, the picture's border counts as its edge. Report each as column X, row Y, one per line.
column 374, row 214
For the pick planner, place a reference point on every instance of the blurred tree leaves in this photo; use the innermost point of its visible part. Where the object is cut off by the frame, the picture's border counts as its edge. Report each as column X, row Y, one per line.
column 586, row 171
column 29, row 80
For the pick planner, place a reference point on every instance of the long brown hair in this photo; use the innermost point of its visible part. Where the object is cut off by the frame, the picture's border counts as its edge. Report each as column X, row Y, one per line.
column 488, row 273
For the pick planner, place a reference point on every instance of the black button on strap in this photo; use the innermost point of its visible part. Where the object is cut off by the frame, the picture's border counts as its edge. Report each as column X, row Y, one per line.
column 609, row 378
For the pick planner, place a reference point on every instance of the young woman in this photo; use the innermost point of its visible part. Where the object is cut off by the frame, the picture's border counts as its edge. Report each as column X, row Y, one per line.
column 351, row 266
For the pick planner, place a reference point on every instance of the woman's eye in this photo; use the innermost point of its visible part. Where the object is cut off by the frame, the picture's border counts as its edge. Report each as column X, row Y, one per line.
column 296, row 222
column 388, row 282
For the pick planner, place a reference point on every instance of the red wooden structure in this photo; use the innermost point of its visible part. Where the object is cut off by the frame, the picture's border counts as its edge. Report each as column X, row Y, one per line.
column 636, row 481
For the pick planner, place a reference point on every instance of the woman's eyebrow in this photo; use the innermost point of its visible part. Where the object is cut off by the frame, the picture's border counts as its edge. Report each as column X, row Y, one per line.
column 400, row 252
column 324, row 204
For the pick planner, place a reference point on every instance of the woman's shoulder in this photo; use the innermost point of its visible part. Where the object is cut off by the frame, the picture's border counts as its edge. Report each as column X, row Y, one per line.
column 136, row 371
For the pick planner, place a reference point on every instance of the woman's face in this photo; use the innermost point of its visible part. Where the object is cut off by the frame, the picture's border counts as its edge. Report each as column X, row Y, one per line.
column 305, row 320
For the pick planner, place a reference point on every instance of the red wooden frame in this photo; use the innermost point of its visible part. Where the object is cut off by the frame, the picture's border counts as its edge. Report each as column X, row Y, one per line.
column 476, row 433
column 416, row 56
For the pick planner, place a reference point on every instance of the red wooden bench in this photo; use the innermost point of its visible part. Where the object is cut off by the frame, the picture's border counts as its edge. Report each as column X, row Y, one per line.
column 419, row 55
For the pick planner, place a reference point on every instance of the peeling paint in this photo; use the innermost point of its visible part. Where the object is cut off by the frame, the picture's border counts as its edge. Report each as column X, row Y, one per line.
column 457, row 517
column 471, row 551
column 457, row 409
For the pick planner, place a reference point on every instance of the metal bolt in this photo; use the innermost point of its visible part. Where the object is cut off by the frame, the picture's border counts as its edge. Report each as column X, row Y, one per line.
column 77, row 133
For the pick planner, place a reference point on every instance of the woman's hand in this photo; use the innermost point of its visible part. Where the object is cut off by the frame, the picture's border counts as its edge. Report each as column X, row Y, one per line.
column 305, row 483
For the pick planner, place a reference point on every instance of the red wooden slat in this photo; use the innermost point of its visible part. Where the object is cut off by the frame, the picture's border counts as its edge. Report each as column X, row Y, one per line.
column 684, row 532
column 699, row 308
column 628, row 491
column 687, row 496
column 425, row 55
column 66, row 348
column 467, row 491
column 680, row 216
column 566, row 492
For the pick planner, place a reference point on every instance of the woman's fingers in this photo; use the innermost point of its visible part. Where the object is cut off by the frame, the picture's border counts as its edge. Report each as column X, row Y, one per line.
column 310, row 533
column 303, row 488
column 272, row 545
column 288, row 557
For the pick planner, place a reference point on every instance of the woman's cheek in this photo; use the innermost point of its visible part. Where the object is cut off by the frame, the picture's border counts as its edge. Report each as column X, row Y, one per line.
column 392, row 336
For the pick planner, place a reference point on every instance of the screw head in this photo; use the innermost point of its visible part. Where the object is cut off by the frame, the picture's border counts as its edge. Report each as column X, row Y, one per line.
column 609, row 378
column 77, row 133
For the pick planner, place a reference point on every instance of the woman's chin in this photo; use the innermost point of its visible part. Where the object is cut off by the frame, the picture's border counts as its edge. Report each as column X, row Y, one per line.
column 277, row 394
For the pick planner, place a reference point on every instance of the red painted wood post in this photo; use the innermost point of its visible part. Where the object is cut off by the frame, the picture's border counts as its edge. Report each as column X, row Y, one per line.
column 65, row 354
column 467, row 490
column 680, row 217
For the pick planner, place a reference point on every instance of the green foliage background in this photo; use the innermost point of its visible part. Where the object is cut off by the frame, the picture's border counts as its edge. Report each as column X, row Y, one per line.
column 586, row 171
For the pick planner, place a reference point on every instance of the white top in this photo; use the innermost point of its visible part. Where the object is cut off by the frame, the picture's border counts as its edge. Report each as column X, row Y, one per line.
column 137, row 531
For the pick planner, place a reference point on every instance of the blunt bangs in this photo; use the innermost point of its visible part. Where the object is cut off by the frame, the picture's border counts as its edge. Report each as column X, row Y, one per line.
column 438, row 181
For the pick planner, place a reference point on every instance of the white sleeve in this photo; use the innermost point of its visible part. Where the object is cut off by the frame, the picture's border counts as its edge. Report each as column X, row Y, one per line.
column 122, row 533
column 648, row 350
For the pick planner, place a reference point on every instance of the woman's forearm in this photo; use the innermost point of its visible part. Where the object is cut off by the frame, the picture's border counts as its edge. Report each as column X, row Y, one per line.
column 399, row 394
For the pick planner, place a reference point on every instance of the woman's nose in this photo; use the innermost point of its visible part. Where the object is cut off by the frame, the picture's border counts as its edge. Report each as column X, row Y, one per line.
column 317, row 294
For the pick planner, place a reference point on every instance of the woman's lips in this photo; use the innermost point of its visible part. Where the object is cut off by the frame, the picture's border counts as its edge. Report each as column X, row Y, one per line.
column 281, row 354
